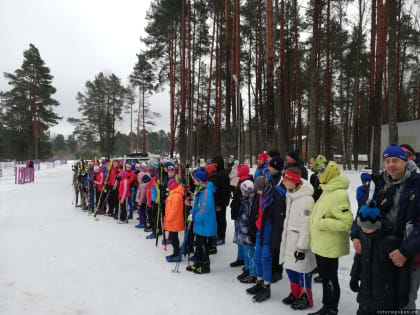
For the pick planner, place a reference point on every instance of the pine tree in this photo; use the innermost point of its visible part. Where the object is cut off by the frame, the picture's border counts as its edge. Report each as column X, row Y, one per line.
column 29, row 105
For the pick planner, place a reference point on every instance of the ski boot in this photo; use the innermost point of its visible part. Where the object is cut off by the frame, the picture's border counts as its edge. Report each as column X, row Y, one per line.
column 263, row 295
column 256, row 288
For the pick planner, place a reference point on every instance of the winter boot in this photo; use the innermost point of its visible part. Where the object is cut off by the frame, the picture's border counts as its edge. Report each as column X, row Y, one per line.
column 204, row 268
column 139, row 226
column 290, row 299
column 256, row 288
column 237, row 263
column 263, row 295
column 150, row 236
column 130, row 216
column 173, row 258
column 213, row 250
column 192, row 267
column 249, row 279
column 244, row 274
column 302, row 303
column 276, row 276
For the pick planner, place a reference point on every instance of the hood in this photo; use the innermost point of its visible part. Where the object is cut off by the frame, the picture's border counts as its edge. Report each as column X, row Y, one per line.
column 210, row 186
column 305, row 190
column 339, row 182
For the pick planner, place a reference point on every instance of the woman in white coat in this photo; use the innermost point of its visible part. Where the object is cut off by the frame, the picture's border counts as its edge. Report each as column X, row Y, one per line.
column 295, row 254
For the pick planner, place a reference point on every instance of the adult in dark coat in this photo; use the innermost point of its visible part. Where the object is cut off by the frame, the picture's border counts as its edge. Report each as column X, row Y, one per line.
column 221, row 197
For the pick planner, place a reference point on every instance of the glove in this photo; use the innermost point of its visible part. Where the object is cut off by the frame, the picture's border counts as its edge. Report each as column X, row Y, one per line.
column 299, row 254
column 189, row 219
column 354, row 284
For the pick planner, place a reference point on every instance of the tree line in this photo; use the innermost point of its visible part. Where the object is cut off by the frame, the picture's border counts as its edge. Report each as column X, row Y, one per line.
column 245, row 76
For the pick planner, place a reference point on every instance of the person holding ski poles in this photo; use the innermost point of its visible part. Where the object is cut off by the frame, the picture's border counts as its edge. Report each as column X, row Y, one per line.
column 124, row 193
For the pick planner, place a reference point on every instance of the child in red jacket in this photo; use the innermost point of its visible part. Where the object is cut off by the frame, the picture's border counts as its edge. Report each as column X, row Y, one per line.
column 124, row 193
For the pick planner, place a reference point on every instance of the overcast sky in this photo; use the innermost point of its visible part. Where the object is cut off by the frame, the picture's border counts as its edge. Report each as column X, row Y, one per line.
column 77, row 39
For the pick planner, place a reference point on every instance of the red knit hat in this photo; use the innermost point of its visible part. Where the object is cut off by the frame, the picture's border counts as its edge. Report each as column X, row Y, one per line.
column 262, row 156
column 243, row 171
column 211, row 169
column 292, row 177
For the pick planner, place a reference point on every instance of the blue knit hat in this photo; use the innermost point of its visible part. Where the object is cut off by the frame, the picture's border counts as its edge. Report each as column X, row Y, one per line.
column 369, row 217
column 365, row 177
column 200, row 175
column 394, row 150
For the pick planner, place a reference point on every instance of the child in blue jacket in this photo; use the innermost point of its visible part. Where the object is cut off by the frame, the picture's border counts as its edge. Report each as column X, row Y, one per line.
column 203, row 215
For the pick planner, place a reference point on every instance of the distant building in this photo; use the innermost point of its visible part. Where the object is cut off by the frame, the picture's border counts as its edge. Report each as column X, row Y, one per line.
column 408, row 132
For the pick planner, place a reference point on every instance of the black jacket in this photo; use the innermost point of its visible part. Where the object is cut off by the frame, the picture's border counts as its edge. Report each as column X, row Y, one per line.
column 222, row 183
column 235, row 204
column 382, row 284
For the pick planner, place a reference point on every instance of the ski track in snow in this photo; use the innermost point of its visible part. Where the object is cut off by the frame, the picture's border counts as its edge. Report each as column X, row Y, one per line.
column 55, row 259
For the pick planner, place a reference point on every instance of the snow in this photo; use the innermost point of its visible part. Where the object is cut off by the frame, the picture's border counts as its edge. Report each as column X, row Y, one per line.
column 55, row 259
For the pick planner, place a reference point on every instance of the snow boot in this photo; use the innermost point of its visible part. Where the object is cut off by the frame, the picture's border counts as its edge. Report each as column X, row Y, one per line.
column 290, row 299
column 192, row 267
column 249, row 279
column 130, row 216
column 263, row 295
column 318, row 279
column 243, row 275
column 204, row 268
column 139, row 226
column 302, row 303
column 151, row 236
column 174, row 258
column 256, row 288
column 237, row 263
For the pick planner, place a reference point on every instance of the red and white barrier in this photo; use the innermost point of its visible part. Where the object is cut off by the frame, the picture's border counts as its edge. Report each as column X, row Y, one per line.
column 24, row 175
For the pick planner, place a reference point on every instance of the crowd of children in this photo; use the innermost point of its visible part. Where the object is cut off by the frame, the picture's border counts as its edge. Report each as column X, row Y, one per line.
column 283, row 221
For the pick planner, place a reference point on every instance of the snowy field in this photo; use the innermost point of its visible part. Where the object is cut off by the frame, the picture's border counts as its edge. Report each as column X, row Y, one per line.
column 55, row 259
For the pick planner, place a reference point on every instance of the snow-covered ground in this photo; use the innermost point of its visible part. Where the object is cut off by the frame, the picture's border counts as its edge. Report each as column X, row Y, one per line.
column 55, row 259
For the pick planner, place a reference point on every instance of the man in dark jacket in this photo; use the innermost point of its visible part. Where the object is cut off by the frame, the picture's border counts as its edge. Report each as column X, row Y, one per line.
column 397, row 195
column 292, row 159
column 221, row 197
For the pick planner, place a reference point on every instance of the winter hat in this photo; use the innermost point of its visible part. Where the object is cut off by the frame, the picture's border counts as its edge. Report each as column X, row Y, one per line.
column 242, row 171
column 173, row 183
column 142, row 166
column 409, row 150
column 146, row 178
column 138, row 165
column 292, row 177
column 128, row 165
column 96, row 168
column 365, row 177
column 236, row 163
column 231, row 158
column 395, row 151
column 320, row 163
column 200, row 175
column 294, row 155
column 122, row 174
column 262, row 156
column 169, row 164
column 331, row 171
column 259, row 183
column 277, row 163
column 171, row 167
column 211, row 169
column 247, row 187
column 369, row 217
